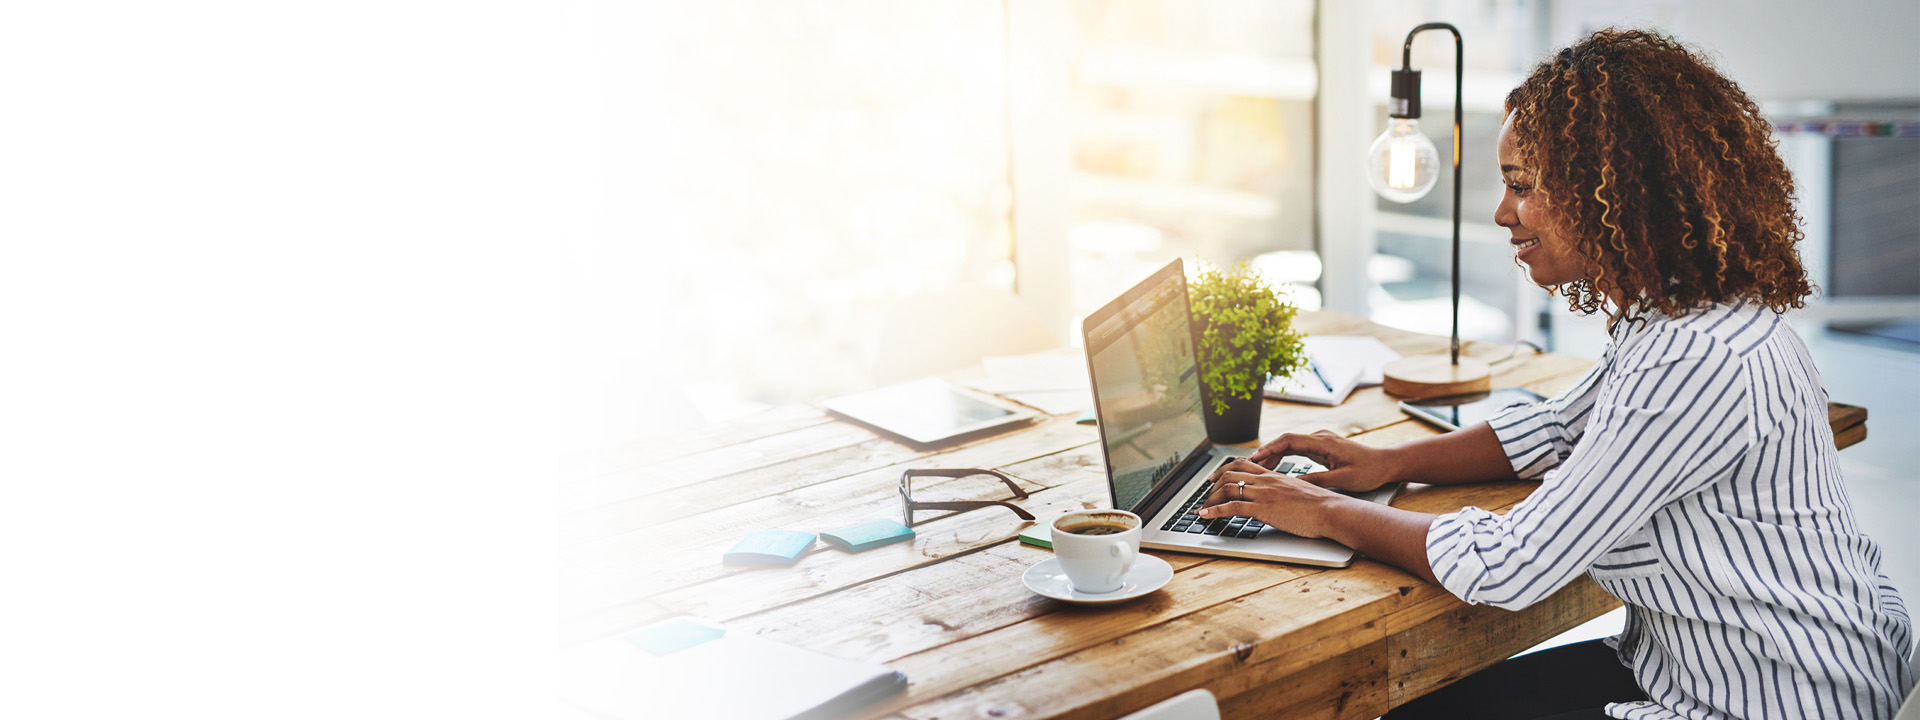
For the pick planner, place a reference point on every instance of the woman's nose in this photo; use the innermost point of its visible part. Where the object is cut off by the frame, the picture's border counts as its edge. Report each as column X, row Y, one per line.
column 1504, row 214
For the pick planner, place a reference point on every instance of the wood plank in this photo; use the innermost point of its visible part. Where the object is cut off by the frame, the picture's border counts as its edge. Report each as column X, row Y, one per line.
column 649, row 450
column 1266, row 654
column 1426, row 656
column 1849, row 424
column 1347, row 685
column 764, row 452
column 1368, row 681
column 688, row 550
column 748, row 592
column 1850, row 436
column 1090, row 670
column 927, row 607
column 584, row 628
column 625, row 516
column 1841, row 415
column 1073, row 480
column 1369, row 408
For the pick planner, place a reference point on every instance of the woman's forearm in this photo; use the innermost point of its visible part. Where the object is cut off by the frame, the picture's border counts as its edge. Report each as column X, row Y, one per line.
column 1399, row 537
column 1470, row 454
column 1388, row 534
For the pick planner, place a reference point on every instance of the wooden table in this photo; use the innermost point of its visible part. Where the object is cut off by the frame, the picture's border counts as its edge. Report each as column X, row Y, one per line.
column 644, row 525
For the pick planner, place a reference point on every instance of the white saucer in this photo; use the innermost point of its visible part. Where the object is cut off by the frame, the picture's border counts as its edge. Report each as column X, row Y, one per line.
column 1149, row 573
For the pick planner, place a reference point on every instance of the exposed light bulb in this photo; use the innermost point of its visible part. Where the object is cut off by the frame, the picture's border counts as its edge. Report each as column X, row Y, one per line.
column 1402, row 164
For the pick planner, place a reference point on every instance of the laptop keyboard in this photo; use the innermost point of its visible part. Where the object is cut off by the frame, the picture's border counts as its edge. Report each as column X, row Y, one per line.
column 1188, row 519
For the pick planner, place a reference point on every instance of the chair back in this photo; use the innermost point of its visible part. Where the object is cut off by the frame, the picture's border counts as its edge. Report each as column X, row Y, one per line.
column 1910, row 710
column 1197, row 704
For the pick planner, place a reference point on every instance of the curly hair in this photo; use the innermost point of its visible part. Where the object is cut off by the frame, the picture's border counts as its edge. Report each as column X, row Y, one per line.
column 1663, row 175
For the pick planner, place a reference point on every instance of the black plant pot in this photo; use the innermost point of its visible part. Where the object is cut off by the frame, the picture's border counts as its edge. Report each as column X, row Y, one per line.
column 1239, row 424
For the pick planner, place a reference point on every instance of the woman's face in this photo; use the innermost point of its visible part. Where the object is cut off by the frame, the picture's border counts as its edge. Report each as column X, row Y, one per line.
column 1550, row 258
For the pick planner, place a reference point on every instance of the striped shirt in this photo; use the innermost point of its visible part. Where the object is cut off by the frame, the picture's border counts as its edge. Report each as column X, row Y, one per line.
column 1692, row 474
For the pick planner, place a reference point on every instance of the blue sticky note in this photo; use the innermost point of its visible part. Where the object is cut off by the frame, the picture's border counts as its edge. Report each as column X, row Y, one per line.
column 771, row 547
column 673, row 636
column 868, row 535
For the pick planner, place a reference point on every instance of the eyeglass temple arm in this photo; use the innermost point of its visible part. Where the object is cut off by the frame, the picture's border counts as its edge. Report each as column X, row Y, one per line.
column 964, row 472
column 971, row 504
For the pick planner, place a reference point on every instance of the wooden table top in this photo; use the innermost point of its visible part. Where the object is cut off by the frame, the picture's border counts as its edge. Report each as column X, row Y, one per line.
column 644, row 526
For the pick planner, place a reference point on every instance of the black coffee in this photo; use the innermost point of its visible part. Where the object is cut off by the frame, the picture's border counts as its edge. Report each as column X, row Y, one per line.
column 1096, row 529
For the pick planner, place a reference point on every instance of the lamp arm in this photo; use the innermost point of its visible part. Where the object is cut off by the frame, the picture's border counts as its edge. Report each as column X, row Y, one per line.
column 1459, row 75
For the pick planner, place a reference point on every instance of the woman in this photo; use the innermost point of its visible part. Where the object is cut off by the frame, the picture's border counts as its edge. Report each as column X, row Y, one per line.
column 1692, row 473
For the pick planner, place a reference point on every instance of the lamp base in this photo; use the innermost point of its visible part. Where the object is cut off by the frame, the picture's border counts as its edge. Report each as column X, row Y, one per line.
column 1425, row 376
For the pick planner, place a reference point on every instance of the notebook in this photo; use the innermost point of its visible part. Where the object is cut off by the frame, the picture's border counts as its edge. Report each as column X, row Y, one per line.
column 1316, row 383
column 1147, row 394
column 1336, row 366
column 686, row 667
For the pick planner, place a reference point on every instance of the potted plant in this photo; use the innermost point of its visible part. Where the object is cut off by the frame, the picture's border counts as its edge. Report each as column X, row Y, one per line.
column 1244, row 332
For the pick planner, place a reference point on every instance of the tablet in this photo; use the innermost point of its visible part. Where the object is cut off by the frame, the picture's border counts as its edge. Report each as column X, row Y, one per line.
column 1453, row 412
column 929, row 411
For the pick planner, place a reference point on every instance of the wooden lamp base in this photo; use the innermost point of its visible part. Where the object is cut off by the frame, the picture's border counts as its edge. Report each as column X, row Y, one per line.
column 1427, row 376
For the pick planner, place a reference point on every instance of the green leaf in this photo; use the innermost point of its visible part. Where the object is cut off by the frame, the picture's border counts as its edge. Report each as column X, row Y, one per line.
column 1246, row 331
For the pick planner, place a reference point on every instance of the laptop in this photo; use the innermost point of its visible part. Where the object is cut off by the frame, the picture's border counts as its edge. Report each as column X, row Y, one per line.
column 1147, row 395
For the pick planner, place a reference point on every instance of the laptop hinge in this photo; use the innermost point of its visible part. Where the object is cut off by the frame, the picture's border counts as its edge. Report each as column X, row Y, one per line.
column 1168, row 489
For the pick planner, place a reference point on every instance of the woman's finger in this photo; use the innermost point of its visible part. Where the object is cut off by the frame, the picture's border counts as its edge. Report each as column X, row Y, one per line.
column 1232, row 486
column 1239, row 465
column 1230, row 509
column 1313, row 446
column 1270, row 453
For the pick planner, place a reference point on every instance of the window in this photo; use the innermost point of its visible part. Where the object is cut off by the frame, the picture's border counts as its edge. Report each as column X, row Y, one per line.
column 1192, row 137
column 814, row 162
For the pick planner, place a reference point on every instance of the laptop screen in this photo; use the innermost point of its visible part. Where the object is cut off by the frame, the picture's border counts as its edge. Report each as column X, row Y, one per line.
column 1146, row 384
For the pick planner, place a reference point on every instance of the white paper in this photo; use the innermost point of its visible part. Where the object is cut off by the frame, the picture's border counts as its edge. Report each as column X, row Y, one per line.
column 1329, row 386
column 734, row 677
column 1053, row 402
column 1338, row 352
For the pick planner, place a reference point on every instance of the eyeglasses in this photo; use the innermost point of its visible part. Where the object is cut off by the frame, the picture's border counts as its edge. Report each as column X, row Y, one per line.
column 908, row 504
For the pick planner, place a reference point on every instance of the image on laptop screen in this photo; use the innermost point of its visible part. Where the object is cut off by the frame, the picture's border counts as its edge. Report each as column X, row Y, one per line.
column 1148, row 389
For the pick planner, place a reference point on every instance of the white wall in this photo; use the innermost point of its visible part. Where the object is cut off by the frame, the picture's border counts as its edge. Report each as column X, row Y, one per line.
column 1778, row 49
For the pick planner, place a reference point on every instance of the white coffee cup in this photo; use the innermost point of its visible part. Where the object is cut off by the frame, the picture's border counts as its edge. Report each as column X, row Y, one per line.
column 1096, row 547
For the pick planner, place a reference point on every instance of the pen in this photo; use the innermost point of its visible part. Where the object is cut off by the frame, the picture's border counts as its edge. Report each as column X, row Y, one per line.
column 1315, row 367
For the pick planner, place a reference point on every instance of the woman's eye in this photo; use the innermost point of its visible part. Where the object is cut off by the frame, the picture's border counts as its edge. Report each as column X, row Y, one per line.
column 1519, row 189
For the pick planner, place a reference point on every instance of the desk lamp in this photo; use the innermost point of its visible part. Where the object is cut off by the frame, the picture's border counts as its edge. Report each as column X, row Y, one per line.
column 1402, row 166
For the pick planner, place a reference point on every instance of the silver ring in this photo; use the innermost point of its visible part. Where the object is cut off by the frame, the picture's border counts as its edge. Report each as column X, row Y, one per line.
column 1243, row 491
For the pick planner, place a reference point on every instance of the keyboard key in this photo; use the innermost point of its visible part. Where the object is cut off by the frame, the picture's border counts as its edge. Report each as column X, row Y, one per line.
column 1217, row 526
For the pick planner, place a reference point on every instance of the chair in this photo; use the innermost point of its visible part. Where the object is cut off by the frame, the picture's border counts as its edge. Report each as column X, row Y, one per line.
column 1195, row 704
column 933, row 333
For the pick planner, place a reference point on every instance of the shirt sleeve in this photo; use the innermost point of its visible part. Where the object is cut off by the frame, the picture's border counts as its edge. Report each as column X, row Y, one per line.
column 1672, row 417
column 1539, row 436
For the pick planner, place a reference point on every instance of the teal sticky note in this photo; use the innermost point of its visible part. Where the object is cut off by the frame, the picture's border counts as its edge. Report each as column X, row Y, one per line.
column 673, row 636
column 771, row 547
column 868, row 535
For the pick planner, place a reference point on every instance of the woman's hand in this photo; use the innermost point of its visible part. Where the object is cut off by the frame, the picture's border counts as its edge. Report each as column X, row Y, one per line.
column 1350, row 465
column 1244, row 488
column 1293, row 505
